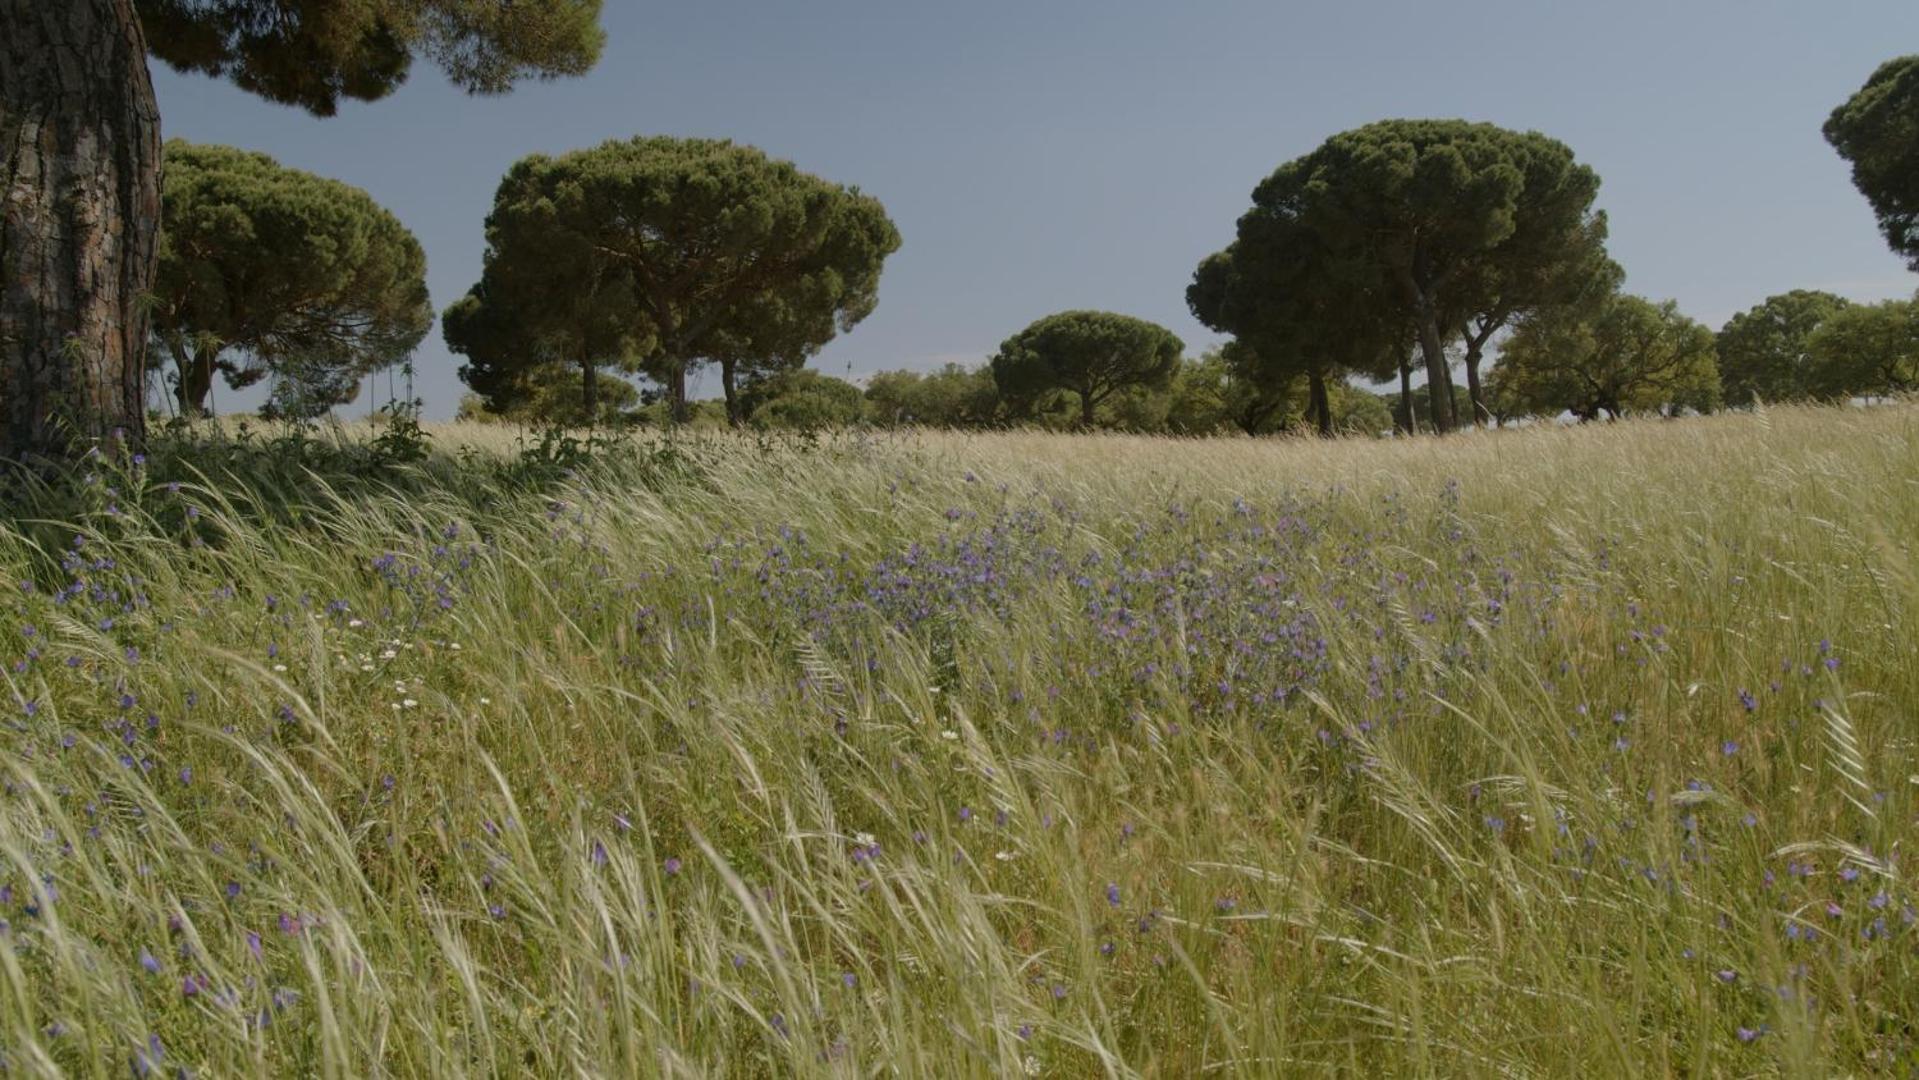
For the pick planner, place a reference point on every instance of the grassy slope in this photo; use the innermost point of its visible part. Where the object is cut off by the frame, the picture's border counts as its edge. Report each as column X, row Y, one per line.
column 968, row 755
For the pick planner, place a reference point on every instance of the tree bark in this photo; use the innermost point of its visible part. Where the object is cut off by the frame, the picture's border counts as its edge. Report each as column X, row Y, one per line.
column 590, row 391
column 1407, row 414
column 1086, row 403
column 1438, row 381
column 1319, row 403
column 1475, row 352
column 79, row 221
column 1438, row 378
column 735, row 409
column 676, row 393
column 196, row 378
column 1473, row 390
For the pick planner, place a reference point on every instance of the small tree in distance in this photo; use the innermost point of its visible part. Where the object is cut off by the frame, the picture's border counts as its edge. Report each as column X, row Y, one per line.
column 1765, row 353
column 1627, row 355
column 679, row 252
column 1867, row 350
column 1092, row 354
column 270, row 271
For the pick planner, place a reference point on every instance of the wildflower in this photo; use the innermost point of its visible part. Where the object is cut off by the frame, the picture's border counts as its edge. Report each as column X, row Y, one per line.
column 1112, row 894
column 1745, row 698
column 148, row 962
column 672, row 865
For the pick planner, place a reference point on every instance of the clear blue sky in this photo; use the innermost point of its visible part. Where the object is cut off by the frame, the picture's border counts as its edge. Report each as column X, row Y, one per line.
column 1039, row 156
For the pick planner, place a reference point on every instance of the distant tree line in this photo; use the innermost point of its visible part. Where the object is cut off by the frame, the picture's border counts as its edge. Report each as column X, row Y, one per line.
column 1465, row 262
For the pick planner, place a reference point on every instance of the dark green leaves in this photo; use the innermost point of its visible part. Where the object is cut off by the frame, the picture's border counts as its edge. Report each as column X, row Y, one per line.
column 658, row 254
column 1877, row 130
column 1765, row 353
column 270, row 271
column 1627, row 355
column 1091, row 353
column 312, row 53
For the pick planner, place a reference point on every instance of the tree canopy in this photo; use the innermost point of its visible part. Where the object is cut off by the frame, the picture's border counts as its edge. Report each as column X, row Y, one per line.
column 313, row 53
column 1626, row 355
column 953, row 396
column 1868, row 350
column 1433, row 224
column 1090, row 353
column 805, row 400
column 1765, row 353
column 1554, row 257
column 267, row 271
column 1297, row 309
column 666, row 253
column 1877, row 130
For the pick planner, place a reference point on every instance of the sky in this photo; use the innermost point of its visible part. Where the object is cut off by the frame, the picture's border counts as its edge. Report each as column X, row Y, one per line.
column 1043, row 155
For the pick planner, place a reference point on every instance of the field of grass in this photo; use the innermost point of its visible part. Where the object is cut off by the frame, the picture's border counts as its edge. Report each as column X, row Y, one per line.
column 1541, row 752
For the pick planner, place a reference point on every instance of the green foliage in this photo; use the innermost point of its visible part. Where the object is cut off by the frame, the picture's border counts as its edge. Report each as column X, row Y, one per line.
column 953, row 396
column 1296, row 312
column 1877, row 130
column 1866, row 351
column 270, row 272
column 1092, row 354
column 1424, row 225
column 657, row 254
column 1628, row 355
column 1764, row 353
column 804, row 400
column 1357, row 411
column 551, row 395
column 313, row 53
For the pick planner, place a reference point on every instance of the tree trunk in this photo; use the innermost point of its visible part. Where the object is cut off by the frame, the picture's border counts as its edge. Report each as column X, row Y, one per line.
column 1407, row 414
column 1319, row 404
column 1086, row 403
column 1473, row 389
column 735, row 409
column 1439, row 382
column 590, row 391
column 676, row 394
column 79, row 218
column 196, row 378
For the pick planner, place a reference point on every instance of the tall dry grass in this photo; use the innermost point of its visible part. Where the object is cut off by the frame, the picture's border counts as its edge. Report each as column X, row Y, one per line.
column 1538, row 752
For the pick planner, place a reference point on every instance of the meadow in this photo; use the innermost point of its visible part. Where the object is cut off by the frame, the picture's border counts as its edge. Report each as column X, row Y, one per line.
column 1538, row 752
